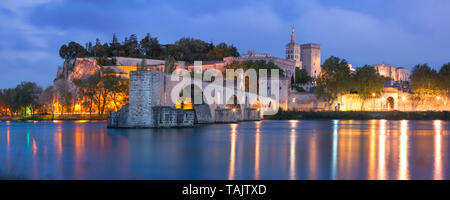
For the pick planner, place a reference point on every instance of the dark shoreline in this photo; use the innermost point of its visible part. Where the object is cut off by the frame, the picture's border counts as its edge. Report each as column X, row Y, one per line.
column 284, row 115
column 359, row 115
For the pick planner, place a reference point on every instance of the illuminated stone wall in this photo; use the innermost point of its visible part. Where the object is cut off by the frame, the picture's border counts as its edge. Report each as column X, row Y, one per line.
column 390, row 100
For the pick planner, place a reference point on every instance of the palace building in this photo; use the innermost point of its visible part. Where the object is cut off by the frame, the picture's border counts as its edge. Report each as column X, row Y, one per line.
column 306, row 56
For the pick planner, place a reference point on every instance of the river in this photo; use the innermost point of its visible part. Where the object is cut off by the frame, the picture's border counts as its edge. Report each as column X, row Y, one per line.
column 305, row 149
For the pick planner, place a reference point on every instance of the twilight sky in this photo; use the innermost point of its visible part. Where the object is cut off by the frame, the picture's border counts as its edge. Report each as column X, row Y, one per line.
column 398, row 32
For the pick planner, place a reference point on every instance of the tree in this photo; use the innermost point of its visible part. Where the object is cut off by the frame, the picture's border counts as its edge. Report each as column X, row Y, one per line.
column 88, row 87
column 424, row 82
column 189, row 49
column 47, row 100
column 115, row 46
column 367, row 82
column 116, row 88
column 64, row 94
column 72, row 50
column 334, row 80
column 301, row 76
column 26, row 97
column 150, row 47
column 170, row 64
column 7, row 101
column 444, row 81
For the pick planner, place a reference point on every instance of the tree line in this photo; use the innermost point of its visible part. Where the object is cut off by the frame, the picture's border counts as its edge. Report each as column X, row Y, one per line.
column 185, row 49
column 99, row 93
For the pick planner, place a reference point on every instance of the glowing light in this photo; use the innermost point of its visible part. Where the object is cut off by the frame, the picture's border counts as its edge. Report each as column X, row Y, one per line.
column 403, row 165
column 232, row 151
column 233, row 110
column 382, row 151
column 438, row 97
column 373, row 94
column 437, row 175
column 77, row 108
column 293, row 100
column 257, row 149
column 404, row 98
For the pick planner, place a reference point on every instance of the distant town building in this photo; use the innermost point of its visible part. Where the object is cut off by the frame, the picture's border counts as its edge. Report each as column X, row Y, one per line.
column 393, row 73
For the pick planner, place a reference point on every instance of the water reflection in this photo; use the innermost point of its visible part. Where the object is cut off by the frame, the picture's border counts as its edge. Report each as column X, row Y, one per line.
column 437, row 151
column 336, row 149
column 292, row 141
column 232, row 151
column 403, row 168
column 257, row 146
column 382, row 151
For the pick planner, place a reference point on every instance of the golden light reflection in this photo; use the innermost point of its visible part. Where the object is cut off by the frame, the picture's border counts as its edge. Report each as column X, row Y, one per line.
column 7, row 139
column 437, row 175
column 232, row 151
column 382, row 151
column 79, row 150
column 34, row 147
column 58, row 140
column 403, row 163
column 372, row 153
column 292, row 143
column 313, row 157
column 257, row 150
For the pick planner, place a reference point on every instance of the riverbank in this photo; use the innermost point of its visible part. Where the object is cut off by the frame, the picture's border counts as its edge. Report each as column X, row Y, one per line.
column 66, row 117
column 357, row 115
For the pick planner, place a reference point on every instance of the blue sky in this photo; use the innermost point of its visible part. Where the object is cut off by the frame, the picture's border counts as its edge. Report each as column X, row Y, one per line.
column 397, row 32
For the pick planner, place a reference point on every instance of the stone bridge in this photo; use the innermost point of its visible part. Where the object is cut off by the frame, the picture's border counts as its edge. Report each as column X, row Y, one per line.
column 157, row 100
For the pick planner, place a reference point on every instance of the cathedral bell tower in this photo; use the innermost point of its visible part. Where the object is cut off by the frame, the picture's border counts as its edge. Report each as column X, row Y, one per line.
column 293, row 50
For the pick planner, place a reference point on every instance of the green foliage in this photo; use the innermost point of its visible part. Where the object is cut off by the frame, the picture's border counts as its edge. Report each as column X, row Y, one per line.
column 367, row 82
column 24, row 97
column 334, row 80
column 102, row 87
column 185, row 49
column 170, row 65
column 72, row 50
column 424, row 81
column 444, row 78
column 301, row 76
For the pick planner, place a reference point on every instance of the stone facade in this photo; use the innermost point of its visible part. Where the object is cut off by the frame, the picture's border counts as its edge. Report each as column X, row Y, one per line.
column 390, row 99
column 288, row 66
column 145, row 108
column 394, row 73
column 293, row 50
column 310, row 57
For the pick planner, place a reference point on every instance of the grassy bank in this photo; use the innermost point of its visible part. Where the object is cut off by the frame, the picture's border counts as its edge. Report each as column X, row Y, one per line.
column 68, row 117
column 355, row 115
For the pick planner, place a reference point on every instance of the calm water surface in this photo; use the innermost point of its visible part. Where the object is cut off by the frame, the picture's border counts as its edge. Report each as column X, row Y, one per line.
column 375, row 149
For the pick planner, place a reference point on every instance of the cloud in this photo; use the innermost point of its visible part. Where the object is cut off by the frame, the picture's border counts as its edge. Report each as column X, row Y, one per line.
column 363, row 32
